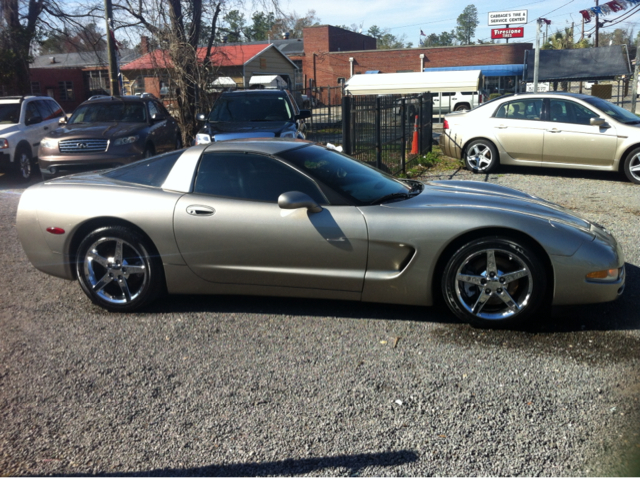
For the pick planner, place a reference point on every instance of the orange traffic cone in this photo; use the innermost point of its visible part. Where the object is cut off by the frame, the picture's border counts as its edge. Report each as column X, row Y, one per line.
column 414, row 145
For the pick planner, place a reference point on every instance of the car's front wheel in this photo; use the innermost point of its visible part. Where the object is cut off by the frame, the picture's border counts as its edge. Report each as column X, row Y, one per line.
column 117, row 269
column 494, row 282
column 481, row 156
column 24, row 164
column 632, row 166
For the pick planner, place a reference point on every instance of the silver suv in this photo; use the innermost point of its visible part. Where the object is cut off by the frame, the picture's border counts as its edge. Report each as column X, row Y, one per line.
column 24, row 122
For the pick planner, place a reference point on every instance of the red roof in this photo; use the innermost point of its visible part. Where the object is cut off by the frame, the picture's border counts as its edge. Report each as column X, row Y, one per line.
column 230, row 55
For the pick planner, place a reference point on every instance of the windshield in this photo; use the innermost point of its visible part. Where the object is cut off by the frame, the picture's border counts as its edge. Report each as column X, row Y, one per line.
column 617, row 113
column 360, row 182
column 9, row 113
column 238, row 107
column 110, row 113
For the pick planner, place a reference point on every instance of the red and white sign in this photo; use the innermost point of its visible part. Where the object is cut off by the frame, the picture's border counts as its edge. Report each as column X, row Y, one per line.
column 507, row 33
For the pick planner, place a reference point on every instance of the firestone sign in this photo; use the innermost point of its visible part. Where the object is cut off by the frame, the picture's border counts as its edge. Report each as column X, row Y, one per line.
column 497, row 33
column 516, row 17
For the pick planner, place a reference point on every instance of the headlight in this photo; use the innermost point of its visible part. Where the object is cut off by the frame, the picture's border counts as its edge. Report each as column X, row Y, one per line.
column 203, row 138
column 4, row 144
column 126, row 140
column 288, row 134
column 49, row 143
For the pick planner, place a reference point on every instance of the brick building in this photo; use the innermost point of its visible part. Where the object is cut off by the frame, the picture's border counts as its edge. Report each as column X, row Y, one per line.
column 332, row 54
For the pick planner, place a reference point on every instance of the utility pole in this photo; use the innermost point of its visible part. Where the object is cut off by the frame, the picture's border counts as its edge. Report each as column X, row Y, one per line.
column 536, row 61
column 597, row 24
column 114, row 84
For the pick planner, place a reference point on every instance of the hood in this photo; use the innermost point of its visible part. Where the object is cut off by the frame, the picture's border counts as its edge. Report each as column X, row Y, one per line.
column 222, row 131
column 95, row 130
column 492, row 196
column 8, row 128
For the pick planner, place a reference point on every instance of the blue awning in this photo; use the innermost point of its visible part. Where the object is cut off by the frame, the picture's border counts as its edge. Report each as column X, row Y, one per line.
column 372, row 72
column 487, row 70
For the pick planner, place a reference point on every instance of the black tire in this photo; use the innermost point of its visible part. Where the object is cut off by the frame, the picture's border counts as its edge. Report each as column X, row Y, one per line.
column 24, row 165
column 507, row 293
column 462, row 107
column 632, row 166
column 481, row 156
column 117, row 269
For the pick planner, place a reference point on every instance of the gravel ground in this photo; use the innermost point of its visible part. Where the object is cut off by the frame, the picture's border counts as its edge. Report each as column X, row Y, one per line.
column 259, row 386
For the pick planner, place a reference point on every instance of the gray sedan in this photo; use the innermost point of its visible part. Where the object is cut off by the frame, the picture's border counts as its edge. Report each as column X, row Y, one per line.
column 291, row 218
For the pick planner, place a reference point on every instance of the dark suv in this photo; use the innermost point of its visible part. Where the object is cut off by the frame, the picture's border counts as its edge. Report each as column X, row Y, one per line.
column 264, row 113
column 108, row 131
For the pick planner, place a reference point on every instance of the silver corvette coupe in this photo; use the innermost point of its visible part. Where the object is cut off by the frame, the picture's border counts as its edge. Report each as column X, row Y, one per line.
column 295, row 219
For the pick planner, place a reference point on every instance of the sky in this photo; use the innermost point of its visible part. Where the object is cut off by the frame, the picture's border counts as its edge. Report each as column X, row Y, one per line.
column 408, row 17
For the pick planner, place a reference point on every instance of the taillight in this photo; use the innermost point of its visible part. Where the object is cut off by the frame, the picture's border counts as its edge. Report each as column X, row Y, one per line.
column 55, row 230
column 446, row 124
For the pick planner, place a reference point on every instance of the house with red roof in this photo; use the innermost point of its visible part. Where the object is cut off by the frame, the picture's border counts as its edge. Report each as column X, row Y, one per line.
column 151, row 72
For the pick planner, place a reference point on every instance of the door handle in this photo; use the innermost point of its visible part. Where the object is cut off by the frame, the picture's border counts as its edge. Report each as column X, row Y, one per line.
column 554, row 130
column 501, row 127
column 197, row 210
column 336, row 239
column 46, row 127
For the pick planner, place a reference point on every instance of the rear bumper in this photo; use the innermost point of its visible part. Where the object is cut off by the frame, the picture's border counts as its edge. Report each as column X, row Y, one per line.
column 451, row 145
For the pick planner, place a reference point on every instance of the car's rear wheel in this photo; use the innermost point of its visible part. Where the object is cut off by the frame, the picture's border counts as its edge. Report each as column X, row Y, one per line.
column 481, row 156
column 632, row 166
column 24, row 164
column 462, row 107
column 494, row 282
column 117, row 269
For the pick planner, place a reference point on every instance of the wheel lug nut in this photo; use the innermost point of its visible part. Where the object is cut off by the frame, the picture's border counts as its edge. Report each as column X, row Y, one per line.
column 499, row 291
column 487, row 290
column 502, row 280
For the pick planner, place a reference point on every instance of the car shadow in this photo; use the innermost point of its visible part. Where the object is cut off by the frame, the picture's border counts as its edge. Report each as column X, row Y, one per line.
column 621, row 314
column 609, row 176
column 11, row 181
column 353, row 464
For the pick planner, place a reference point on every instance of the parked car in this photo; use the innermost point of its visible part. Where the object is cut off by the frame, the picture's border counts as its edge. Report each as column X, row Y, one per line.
column 24, row 121
column 460, row 101
column 292, row 218
column 262, row 113
column 108, row 131
column 558, row 130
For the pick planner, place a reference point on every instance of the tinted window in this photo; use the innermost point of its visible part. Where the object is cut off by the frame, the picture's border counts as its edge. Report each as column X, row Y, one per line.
column 9, row 113
column 251, row 107
column 561, row 111
column 149, row 172
column 525, row 109
column 109, row 112
column 617, row 113
column 357, row 181
column 55, row 107
column 45, row 111
column 33, row 114
column 251, row 177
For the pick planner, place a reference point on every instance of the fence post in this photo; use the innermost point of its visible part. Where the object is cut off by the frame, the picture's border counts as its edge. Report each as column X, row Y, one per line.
column 329, row 104
column 378, row 135
column 346, row 124
column 403, row 156
column 420, row 105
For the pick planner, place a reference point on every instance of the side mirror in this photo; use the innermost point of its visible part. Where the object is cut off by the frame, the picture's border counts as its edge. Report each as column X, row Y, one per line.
column 201, row 117
column 62, row 120
column 596, row 121
column 297, row 200
column 304, row 114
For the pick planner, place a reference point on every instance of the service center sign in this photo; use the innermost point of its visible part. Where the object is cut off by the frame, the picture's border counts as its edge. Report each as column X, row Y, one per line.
column 517, row 17
column 497, row 33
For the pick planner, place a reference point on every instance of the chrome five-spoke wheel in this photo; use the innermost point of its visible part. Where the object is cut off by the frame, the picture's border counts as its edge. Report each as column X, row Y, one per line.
column 494, row 280
column 481, row 156
column 632, row 166
column 116, row 271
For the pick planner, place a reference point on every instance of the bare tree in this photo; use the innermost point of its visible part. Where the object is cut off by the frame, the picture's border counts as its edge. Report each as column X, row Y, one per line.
column 177, row 26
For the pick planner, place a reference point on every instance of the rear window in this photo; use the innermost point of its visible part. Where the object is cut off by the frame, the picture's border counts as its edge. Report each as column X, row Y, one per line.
column 9, row 113
column 148, row 172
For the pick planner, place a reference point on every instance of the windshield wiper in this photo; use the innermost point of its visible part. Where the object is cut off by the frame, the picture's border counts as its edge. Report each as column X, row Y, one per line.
column 390, row 197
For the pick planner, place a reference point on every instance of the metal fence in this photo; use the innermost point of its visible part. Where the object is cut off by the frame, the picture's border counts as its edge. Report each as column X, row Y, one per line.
column 388, row 131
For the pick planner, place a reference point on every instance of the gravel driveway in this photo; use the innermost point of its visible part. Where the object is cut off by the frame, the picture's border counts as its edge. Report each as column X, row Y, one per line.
column 258, row 386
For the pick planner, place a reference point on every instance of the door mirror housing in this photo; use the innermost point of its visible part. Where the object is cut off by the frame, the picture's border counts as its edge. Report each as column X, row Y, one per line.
column 201, row 117
column 297, row 200
column 62, row 120
column 596, row 121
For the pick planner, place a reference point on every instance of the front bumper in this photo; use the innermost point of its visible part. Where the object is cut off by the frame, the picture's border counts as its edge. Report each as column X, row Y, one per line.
column 56, row 165
column 5, row 162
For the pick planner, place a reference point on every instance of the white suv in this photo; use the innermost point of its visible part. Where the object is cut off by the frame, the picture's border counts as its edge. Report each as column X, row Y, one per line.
column 24, row 122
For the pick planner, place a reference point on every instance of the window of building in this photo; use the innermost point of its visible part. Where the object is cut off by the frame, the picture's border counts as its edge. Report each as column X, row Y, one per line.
column 35, row 87
column 341, row 81
column 66, row 90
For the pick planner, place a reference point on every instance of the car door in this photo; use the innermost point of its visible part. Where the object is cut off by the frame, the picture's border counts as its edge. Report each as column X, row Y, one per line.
column 159, row 132
column 518, row 129
column 35, row 129
column 570, row 140
column 231, row 229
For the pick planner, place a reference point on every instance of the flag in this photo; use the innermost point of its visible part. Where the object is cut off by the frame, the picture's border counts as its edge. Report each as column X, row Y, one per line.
column 422, row 34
